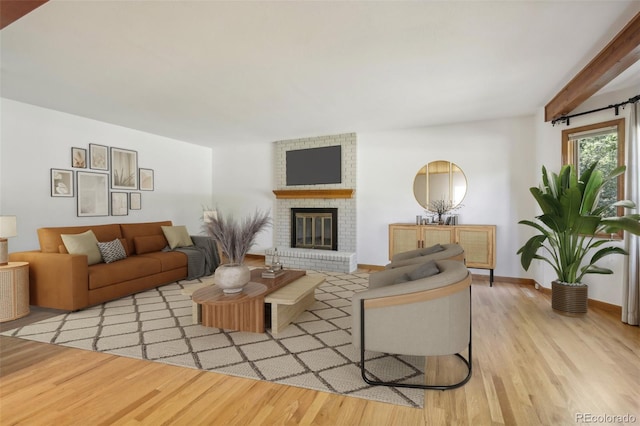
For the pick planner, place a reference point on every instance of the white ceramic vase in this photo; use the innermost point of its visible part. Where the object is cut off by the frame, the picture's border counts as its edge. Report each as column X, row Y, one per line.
column 231, row 277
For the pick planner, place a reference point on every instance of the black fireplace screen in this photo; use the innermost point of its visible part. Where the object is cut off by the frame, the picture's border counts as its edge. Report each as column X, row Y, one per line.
column 315, row 228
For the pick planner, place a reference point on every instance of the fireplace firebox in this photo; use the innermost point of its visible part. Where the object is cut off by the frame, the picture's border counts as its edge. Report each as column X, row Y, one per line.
column 314, row 228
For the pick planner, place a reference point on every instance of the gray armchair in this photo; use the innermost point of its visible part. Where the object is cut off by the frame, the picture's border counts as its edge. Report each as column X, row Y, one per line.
column 428, row 316
column 437, row 252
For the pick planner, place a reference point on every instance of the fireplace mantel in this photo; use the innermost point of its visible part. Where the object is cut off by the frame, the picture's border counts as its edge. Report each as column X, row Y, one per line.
column 313, row 193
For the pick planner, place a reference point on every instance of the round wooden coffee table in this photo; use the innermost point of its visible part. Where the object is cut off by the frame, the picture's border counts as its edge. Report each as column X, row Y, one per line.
column 240, row 311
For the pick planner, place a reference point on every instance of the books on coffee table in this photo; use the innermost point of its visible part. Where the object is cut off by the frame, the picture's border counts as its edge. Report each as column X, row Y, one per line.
column 270, row 273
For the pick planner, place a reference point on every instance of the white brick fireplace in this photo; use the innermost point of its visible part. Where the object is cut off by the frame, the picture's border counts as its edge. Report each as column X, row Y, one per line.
column 340, row 196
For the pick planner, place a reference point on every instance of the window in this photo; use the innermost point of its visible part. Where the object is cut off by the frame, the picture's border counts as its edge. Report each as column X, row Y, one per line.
column 604, row 142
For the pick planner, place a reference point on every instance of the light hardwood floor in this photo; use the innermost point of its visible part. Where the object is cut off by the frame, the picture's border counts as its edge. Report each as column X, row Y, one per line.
column 530, row 366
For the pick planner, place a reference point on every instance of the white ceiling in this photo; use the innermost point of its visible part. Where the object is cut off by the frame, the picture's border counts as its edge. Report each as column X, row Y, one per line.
column 211, row 72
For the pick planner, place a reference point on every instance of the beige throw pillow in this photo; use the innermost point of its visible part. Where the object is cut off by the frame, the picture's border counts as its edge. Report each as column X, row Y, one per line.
column 85, row 243
column 177, row 236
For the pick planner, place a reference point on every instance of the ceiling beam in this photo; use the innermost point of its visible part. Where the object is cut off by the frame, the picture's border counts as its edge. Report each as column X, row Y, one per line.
column 621, row 52
column 12, row 10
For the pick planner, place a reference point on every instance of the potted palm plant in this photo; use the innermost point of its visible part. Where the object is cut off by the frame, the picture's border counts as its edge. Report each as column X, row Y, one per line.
column 235, row 239
column 571, row 218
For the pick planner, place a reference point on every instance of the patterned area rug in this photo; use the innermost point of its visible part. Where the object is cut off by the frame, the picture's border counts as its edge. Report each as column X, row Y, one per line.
column 314, row 352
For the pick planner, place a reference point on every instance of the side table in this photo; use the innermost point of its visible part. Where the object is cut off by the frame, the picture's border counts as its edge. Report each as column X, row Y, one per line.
column 240, row 311
column 14, row 291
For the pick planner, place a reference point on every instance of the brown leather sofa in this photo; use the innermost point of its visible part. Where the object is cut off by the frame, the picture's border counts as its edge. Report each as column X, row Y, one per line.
column 65, row 281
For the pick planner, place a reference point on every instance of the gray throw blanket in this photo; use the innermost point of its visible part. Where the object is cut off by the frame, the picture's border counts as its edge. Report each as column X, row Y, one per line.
column 202, row 257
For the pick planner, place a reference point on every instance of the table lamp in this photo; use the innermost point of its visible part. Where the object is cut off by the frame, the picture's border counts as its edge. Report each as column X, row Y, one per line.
column 8, row 229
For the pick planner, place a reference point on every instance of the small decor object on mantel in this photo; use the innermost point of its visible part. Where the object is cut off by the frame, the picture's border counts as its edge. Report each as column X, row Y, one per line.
column 571, row 217
column 235, row 239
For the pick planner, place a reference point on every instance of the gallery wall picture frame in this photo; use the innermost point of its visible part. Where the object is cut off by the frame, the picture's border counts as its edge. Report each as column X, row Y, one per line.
column 135, row 201
column 78, row 158
column 119, row 204
column 146, row 180
column 93, row 193
column 62, row 183
column 98, row 157
column 124, row 169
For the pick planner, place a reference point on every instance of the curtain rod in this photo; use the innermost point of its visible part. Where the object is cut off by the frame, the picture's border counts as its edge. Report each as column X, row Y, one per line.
column 566, row 118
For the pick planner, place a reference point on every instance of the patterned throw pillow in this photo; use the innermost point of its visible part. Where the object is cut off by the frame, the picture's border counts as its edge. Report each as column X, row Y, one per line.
column 112, row 251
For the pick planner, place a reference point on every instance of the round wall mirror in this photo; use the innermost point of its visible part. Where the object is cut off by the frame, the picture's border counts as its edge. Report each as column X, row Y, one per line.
column 440, row 181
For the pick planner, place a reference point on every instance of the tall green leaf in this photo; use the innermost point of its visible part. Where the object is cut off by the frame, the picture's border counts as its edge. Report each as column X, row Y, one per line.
column 570, row 220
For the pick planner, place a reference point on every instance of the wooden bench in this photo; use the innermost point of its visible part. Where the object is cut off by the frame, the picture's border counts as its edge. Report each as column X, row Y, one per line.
column 291, row 300
column 196, row 309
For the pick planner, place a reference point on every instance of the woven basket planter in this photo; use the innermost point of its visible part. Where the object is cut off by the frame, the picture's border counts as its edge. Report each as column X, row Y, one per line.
column 570, row 299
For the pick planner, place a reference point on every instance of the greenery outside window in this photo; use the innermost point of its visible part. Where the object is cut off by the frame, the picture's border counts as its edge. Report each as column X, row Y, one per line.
column 581, row 146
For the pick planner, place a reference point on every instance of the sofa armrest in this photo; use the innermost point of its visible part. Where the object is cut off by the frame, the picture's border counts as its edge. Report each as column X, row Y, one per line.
column 56, row 280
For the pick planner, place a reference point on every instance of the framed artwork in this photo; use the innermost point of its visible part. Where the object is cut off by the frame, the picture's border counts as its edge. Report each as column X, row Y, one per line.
column 146, row 179
column 61, row 183
column 135, row 201
column 79, row 158
column 93, row 193
column 98, row 157
column 119, row 204
column 124, row 169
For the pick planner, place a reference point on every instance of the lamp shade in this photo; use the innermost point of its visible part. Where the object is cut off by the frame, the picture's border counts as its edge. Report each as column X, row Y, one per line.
column 8, row 227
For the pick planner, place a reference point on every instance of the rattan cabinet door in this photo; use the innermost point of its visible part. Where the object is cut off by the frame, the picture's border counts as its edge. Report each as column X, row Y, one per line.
column 403, row 238
column 478, row 242
column 434, row 234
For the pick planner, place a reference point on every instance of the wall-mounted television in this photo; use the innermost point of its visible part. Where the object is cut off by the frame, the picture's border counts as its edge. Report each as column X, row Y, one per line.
column 314, row 166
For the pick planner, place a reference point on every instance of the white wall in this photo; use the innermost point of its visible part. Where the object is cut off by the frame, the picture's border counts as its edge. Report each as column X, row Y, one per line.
column 243, row 181
column 606, row 288
column 34, row 140
column 492, row 154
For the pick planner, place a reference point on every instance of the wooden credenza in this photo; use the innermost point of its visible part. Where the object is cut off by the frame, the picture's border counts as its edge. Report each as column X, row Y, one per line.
column 478, row 241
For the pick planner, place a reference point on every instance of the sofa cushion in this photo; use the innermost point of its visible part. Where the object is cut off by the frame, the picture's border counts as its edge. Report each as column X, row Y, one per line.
column 50, row 238
column 132, row 230
column 131, row 268
column 84, row 243
column 402, row 279
column 169, row 260
column 149, row 243
column 62, row 249
column 177, row 236
column 112, row 251
column 424, row 270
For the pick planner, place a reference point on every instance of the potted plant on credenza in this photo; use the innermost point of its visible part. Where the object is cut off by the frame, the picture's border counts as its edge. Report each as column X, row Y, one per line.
column 567, row 228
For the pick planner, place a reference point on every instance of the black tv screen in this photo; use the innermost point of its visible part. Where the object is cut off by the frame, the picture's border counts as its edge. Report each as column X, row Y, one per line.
column 314, row 166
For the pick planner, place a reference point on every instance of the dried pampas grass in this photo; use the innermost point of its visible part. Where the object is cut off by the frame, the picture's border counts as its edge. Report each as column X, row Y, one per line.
column 236, row 237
